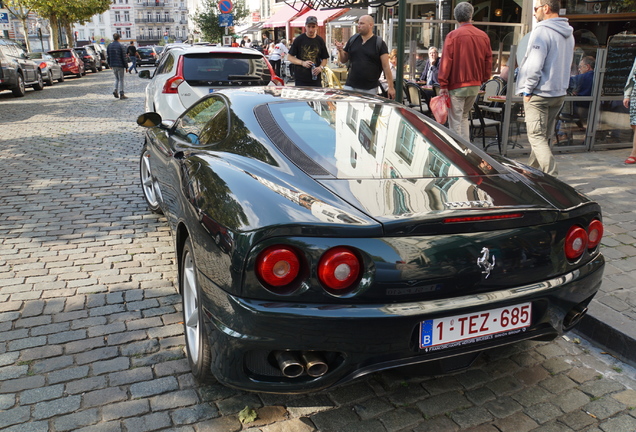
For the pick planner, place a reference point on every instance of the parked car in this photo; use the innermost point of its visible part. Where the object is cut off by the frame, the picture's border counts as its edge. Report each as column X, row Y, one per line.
column 51, row 70
column 168, row 47
column 70, row 61
column 100, row 49
column 322, row 235
column 91, row 59
column 147, row 56
column 17, row 71
column 186, row 74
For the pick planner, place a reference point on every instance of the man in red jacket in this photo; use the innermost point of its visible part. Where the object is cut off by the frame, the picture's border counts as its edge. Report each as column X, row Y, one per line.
column 466, row 65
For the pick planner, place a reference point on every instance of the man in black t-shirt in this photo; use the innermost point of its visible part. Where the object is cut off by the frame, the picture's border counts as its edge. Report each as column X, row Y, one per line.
column 309, row 53
column 131, row 51
column 368, row 57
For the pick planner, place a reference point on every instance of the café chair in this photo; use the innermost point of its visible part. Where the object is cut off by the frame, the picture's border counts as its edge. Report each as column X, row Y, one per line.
column 414, row 94
column 479, row 124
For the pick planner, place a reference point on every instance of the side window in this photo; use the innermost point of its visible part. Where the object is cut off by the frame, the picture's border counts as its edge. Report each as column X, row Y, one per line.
column 166, row 66
column 204, row 123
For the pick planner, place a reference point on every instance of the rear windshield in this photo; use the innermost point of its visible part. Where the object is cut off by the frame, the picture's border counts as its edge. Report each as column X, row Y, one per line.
column 354, row 140
column 145, row 50
column 61, row 54
column 201, row 69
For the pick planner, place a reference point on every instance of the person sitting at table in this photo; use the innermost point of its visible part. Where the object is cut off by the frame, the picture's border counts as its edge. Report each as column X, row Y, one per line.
column 431, row 68
column 384, row 86
column 580, row 85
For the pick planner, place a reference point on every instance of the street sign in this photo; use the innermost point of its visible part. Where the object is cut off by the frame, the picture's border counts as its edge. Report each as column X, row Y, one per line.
column 225, row 6
column 165, row 38
column 4, row 17
column 226, row 20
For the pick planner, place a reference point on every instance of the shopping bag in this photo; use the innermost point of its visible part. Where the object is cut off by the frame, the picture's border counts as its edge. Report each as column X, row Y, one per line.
column 439, row 106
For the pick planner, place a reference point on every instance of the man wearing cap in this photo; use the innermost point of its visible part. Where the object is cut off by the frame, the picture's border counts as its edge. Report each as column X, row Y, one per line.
column 309, row 53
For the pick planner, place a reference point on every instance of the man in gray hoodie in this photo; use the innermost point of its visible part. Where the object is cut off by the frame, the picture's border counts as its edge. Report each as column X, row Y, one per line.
column 543, row 79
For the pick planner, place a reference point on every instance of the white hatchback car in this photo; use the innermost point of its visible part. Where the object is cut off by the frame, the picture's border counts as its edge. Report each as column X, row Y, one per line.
column 185, row 74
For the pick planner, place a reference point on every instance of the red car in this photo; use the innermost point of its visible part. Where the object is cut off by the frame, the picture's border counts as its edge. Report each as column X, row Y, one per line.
column 70, row 61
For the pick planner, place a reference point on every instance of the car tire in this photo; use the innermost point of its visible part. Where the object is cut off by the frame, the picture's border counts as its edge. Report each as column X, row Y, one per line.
column 94, row 69
column 61, row 77
column 49, row 78
column 40, row 84
column 148, row 184
column 19, row 89
column 99, row 68
column 197, row 342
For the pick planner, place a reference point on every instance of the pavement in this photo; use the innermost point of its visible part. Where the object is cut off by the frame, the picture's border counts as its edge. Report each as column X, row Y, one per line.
column 91, row 333
column 602, row 175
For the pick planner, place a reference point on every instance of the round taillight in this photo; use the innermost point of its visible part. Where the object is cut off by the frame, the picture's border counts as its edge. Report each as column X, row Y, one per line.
column 43, row 65
column 594, row 233
column 339, row 268
column 575, row 242
column 277, row 266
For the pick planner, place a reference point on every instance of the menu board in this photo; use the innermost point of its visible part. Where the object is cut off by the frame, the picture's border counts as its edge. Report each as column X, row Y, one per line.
column 621, row 52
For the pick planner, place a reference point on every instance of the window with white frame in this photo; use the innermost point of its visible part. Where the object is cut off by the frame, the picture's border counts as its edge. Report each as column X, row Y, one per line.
column 117, row 17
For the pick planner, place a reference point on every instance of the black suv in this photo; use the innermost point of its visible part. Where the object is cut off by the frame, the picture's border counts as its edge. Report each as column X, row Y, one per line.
column 92, row 60
column 147, row 56
column 16, row 70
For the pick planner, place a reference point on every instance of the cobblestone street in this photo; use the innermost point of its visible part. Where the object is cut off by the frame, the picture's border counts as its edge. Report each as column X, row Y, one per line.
column 91, row 333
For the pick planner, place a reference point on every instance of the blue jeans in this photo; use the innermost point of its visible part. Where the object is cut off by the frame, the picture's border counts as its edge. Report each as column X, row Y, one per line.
column 119, row 79
column 134, row 64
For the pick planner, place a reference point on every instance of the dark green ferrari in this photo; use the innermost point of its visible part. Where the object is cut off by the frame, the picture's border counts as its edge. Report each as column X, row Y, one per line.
column 322, row 235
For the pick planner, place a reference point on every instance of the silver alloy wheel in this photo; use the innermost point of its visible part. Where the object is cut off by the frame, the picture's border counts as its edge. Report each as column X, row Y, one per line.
column 147, row 182
column 191, row 307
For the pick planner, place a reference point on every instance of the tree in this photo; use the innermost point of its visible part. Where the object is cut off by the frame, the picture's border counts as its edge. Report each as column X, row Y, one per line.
column 208, row 19
column 21, row 9
column 64, row 13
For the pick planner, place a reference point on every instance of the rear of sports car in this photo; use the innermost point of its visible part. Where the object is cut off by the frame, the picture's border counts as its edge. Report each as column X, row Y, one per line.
column 317, row 311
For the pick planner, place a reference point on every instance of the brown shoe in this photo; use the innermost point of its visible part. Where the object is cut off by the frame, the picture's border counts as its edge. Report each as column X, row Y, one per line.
column 123, row 96
column 115, row 93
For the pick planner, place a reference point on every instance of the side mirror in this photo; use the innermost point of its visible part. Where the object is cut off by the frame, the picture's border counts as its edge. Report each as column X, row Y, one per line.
column 149, row 120
column 144, row 74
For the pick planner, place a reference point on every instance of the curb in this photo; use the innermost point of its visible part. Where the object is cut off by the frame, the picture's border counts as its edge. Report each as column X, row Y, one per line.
column 610, row 330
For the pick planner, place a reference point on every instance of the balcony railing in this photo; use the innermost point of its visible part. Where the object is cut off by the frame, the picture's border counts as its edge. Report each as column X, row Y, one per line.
column 155, row 3
column 149, row 38
column 153, row 20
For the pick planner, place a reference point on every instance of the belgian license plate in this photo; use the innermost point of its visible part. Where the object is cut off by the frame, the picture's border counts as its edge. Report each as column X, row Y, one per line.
column 211, row 90
column 463, row 329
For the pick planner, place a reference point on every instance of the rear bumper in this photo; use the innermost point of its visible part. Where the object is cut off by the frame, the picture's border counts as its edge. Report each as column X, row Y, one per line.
column 360, row 339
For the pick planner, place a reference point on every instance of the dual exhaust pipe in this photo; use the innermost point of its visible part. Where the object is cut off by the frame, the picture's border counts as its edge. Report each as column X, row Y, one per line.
column 293, row 365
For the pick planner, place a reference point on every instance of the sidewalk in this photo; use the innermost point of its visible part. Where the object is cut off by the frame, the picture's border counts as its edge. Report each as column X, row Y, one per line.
column 602, row 176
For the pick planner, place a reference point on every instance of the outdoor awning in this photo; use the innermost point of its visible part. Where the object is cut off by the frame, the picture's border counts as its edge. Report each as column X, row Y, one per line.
column 324, row 16
column 281, row 17
column 349, row 18
column 251, row 29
